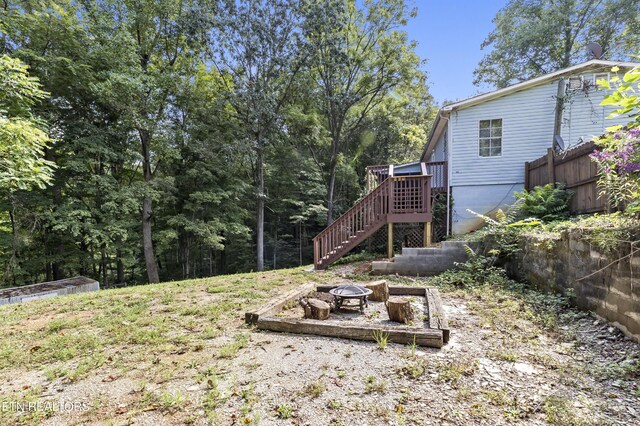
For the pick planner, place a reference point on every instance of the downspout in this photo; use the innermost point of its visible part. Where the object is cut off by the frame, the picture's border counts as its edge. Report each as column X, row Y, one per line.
column 449, row 168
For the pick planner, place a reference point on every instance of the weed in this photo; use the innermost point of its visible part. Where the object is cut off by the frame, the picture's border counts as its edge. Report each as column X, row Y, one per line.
column 315, row 389
column 512, row 412
column 172, row 402
column 404, row 397
column 381, row 337
column 623, row 370
column 558, row 411
column 478, row 409
column 503, row 355
column 372, row 384
column 498, row 397
column 231, row 349
column 341, row 374
column 374, row 315
column 464, row 393
column 379, row 412
column 453, row 371
column 334, row 404
column 59, row 324
column 414, row 369
column 412, row 347
column 283, row 411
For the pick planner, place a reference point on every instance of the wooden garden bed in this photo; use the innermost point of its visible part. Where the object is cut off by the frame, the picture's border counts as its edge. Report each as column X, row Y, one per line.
column 434, row 331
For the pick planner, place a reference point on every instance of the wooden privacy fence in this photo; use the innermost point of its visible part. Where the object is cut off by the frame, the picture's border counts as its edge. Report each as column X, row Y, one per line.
column 574, row 168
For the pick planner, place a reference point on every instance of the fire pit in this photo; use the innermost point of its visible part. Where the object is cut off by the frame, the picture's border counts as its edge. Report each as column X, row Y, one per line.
column 347, row 292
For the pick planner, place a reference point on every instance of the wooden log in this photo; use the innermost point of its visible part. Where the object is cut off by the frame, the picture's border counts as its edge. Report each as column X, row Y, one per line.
column 380, row 291
column 315, row 309
column 423, row 337
column 437, row 318
column 406, row 290
column 399, row 309
column 275, row 305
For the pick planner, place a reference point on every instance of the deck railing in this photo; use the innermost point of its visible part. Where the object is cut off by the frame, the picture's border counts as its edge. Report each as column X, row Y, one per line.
column 397, row 199
column 437, row 169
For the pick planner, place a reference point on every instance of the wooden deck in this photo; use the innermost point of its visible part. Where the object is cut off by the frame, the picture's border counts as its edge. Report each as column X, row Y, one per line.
column 390, row 199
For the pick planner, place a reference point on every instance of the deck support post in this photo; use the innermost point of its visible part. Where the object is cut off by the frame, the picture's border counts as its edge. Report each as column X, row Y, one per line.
column 390, row 240
column 427, row 234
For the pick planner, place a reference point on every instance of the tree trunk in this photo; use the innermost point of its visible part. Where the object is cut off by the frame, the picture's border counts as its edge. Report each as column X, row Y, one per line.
column 105, row 272
column 120, row 265
column 331, row 189
column 260, row 206
column 399, row 309
column 315, row 308
column 59, row 254
column 300, row 239
column 380, row 291
column 147, row 212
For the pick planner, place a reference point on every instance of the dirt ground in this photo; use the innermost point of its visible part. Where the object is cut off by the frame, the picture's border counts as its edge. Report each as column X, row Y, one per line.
column 500, row 367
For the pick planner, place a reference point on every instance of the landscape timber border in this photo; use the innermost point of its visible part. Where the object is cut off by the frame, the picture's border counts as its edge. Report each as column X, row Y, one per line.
column 435, row 332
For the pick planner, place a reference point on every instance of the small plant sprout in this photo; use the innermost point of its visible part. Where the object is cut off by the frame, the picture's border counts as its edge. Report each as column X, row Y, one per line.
column 412, row 347
column 381, row 337
column 284, row 411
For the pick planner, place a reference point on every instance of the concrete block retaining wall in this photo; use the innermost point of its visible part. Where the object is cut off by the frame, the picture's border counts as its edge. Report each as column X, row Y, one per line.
column 423, row 261
column 567, row 263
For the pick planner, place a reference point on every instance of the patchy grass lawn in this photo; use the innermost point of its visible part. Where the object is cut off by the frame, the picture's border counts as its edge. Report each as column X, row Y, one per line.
column 178, row 353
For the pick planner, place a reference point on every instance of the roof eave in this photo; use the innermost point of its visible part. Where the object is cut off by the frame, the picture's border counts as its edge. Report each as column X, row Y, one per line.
column 475, row 100
column 438, row 127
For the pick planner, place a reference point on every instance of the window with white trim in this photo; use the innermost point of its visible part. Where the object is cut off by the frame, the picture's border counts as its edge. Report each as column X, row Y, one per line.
column 490, row 138
column 600, row 76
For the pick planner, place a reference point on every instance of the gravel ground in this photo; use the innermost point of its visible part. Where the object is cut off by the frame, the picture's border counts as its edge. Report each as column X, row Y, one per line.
column 331, row 381
column 375, row 313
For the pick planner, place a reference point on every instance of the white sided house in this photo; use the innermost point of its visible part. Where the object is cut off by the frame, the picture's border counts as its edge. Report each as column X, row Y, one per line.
column 487, row 139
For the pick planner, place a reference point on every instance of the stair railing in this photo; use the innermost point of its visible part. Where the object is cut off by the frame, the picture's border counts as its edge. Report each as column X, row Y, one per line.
column 397, row 196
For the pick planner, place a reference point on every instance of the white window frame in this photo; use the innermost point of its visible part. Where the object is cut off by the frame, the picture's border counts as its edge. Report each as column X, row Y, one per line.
column 600, row 76
column 491, row 138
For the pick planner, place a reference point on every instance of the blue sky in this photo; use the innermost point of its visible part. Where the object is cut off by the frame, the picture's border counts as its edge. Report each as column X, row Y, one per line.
column 449, row 34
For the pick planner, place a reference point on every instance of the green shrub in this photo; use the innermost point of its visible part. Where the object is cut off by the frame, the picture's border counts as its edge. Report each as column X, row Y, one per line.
column 545, row 202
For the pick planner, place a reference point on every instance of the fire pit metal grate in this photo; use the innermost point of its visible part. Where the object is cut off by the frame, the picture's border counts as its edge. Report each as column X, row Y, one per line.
column 348, row 292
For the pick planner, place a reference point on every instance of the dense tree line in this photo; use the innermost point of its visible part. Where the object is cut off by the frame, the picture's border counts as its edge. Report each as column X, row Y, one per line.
column 175, row 139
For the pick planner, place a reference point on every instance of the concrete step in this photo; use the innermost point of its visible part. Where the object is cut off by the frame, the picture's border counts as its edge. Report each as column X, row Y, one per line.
column 421, row 251
column 424, row 260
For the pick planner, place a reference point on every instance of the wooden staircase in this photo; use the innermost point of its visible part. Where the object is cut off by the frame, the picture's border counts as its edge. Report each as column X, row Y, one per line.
column 398, row 199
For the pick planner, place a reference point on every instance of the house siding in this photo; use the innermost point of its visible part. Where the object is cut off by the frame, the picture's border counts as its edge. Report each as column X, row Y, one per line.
column 484, row 199
column 484, row 184
column 584, row 118
column 439, row 152
column 527, row 131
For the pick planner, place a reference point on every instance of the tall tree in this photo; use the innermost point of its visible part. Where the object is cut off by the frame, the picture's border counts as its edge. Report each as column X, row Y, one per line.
column 22, row 138
column 535, row 37
column 166, row 39
column 259, row 49
column 359, row 56
column 23, row 141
